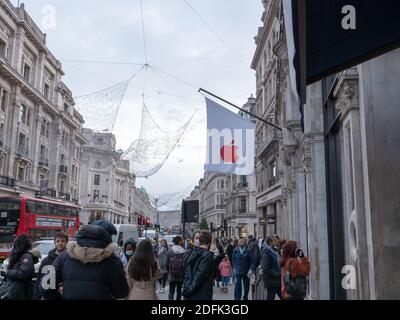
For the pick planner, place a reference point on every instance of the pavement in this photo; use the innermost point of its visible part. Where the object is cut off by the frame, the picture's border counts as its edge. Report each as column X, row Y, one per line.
column 217, row 294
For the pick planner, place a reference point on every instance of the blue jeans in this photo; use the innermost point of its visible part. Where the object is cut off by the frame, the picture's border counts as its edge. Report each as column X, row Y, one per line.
column 238, row 286
column 225, row 281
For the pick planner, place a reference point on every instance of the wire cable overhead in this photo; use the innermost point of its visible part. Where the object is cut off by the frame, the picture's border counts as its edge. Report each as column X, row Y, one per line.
column 217, row 35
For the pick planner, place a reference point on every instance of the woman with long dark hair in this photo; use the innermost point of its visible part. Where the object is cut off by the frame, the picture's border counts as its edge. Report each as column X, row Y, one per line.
column 295, row 269
column 20, row 270
column 142, row 272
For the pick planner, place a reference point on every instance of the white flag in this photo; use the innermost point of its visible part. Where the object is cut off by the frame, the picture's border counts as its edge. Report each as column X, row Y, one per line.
column 230, row 141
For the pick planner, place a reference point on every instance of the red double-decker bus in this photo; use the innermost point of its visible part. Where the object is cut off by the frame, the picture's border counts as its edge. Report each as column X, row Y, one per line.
column 38, row 218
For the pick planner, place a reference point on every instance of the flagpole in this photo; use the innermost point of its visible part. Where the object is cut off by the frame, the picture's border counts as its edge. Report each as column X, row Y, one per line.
column 241, row 109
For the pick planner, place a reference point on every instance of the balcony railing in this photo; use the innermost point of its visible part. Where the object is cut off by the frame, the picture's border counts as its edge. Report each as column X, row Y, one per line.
column 50, row 193
column 43, row 161
column 65, row 196
column 243, row 185
column 6, row 181
column 242, row 210
column 23, row 151
column 98, row 200
column 262, row 145
column 220, row 206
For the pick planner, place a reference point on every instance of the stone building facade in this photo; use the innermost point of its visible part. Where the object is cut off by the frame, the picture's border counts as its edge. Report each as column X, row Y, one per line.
column 337, row 194
column 40, row 130
column 169, row 218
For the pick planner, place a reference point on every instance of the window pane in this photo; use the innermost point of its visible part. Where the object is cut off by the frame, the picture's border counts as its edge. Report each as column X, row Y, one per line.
column 40, row 208
column 60, row 210
column 30, row 207
column 68, row 211
column 51, row 209
column 75, row 212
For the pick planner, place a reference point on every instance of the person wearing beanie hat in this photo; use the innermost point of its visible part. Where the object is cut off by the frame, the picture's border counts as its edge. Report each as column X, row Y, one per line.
column 106, row 225
column 111, row 230
column 88, row 269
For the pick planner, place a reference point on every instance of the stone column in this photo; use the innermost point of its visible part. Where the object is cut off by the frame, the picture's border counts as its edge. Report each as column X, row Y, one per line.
column 39, row 72
column 16, row 60
column 35, row 143
column 54, row 155
column 299, row 201
column 12, row 129
column 314, row 163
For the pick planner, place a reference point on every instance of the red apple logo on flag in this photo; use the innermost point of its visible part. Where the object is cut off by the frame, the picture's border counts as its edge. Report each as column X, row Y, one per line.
column 228, row 153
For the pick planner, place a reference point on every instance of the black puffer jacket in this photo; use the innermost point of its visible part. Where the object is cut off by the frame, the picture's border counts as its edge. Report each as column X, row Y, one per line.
column 198, row 282
column 89, row 270
column 45, row 262
column 22, row 272
column 23, row 269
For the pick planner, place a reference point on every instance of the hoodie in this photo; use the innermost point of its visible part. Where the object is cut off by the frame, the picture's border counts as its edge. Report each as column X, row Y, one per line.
column 180, row 253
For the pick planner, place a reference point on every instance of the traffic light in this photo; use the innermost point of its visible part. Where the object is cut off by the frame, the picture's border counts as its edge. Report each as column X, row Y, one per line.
column 226, row 224
column 139, row 219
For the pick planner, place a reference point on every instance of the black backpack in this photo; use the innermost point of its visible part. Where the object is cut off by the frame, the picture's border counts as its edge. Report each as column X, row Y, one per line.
column 296, row 288
column 176, row 265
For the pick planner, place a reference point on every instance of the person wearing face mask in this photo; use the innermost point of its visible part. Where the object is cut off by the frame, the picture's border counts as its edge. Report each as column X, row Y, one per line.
column 242, row 264
column 194, row 243
column 129, row 250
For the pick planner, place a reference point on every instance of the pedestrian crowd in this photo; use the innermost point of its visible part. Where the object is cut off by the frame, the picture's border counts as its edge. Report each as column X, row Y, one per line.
column 93, row 267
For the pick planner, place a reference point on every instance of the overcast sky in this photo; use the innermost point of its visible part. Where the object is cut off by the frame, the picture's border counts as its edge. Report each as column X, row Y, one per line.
column 177, row 42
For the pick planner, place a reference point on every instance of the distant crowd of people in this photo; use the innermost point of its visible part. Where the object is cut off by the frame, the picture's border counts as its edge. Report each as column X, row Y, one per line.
column 93, row 268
